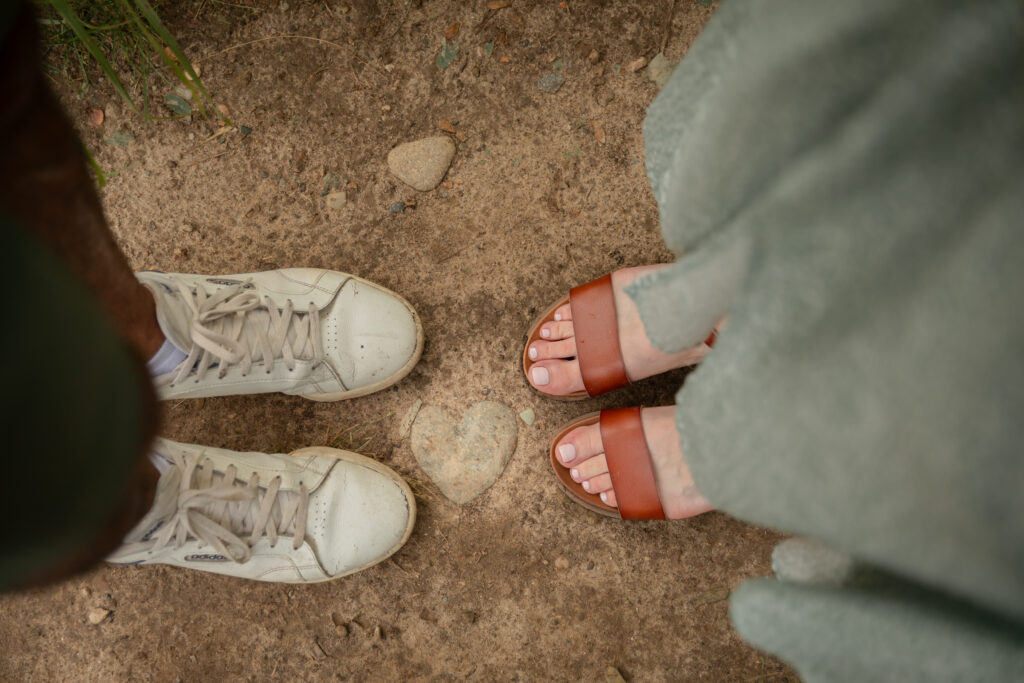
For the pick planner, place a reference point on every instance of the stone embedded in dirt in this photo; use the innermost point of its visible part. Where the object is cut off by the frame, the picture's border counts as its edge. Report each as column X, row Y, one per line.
column 528, row 416
column 464, row 459
column 336, row 200
column 551, row 83
column 97, row 615
column 561, row 563
column 397, row 207
column 613, row 675
column 660, row 70
column 422, row 163
column 636, row 64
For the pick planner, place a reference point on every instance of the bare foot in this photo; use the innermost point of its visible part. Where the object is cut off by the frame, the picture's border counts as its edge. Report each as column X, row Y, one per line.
column 582, row 452
column 555, row 369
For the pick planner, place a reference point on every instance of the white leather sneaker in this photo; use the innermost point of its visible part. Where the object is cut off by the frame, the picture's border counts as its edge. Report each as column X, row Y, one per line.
column 315, row 515
column 319, row 333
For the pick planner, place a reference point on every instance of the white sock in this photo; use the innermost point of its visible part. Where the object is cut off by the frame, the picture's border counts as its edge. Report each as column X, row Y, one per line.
column 166, row 359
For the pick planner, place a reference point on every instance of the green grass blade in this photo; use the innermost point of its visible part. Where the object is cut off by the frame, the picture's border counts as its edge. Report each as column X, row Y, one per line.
column 101, row 179
column 158, row 27
column 71, row 19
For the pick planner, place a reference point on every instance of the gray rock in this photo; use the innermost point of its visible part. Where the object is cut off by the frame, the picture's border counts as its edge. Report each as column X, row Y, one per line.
column 397, row 207
column 551, row 83
column 336, row 200
column 422, row 163
column 464, row 459
column 660, row 70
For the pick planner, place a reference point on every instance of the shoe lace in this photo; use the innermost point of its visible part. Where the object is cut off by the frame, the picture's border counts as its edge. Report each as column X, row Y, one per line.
column 219, row 509
column 233, row 326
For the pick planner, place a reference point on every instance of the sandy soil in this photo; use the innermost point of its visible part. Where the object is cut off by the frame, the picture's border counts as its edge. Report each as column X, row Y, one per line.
column 520, row 584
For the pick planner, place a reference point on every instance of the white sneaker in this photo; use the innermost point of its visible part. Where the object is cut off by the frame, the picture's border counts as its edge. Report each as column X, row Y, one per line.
column 319, row 333
column 316, row 515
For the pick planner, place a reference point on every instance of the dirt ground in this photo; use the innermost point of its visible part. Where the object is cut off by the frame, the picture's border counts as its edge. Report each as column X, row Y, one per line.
column 520, row 584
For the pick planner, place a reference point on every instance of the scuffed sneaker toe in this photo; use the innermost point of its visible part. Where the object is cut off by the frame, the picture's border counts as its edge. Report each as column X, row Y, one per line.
column 360, row 516
column 372, row 336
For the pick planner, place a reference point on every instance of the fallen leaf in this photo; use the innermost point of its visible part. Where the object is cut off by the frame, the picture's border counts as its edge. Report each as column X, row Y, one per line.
column 461, row 137
column 448, row 53
column 505, row 60
column 498, row 4
column 446, row 126
column 598, row 130
column 170, row 54
column 177, row 104
column 711, row 596
column 120, row 138
column 563, row 5
column 94, row 117
column 451, row 31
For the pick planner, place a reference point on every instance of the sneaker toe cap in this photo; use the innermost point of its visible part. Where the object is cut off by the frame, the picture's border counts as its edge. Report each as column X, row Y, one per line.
column 372, row 334
column 358, row 517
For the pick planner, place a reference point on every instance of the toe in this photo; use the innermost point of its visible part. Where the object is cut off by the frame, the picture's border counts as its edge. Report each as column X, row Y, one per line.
column 608, row 498
column 590, row 468
column 558, row 377
column 563, row 312
column 598, row 484
column 541, row 350
column 555, row 331
column 580, row 444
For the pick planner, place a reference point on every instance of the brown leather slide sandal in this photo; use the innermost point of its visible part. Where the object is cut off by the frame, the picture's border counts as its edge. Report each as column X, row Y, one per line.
column 596, row 331
column 595, row 328
column 629, row 464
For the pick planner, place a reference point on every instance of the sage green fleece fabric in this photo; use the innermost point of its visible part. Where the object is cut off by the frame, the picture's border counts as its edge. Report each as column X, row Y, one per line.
column 845, row 182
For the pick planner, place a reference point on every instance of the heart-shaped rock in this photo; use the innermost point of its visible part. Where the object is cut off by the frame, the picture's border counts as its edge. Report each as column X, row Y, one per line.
column 464, row 459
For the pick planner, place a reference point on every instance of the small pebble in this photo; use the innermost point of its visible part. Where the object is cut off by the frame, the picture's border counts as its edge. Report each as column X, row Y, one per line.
column 551, row 83
column 528, row 416
column 636, row 64
column 336, row 201
column 397, row 207
column 613, row 675
column 246, row 130
column 561, row 563
column 97, row 615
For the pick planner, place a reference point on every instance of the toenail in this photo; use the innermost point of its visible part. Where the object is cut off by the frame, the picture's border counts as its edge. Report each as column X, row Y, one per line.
column 533, row 353
column 575, row 473
column 545, row 333
column 540, row 376
column 558, row 317
column 604, row 496
column 586, row 486
column 567, row 452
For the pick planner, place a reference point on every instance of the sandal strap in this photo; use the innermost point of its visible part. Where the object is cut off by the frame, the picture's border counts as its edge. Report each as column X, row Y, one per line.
column 596, row 330
column 629, row 464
